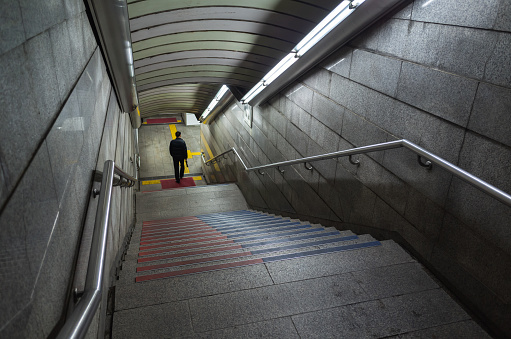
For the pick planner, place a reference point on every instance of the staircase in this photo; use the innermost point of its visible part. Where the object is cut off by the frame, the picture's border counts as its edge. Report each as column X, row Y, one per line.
column 224, row 271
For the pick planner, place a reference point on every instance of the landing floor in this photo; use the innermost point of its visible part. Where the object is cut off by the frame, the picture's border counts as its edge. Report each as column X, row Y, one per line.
column 156, row 167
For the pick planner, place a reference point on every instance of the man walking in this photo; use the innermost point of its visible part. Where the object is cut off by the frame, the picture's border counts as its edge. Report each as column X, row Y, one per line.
column 179, row 153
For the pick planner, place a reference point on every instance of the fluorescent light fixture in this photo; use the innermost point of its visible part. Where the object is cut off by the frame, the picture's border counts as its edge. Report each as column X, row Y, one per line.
column 214, row 102
column 270, row 76
column 333, row 19
column 253, row 92
column 280, row 68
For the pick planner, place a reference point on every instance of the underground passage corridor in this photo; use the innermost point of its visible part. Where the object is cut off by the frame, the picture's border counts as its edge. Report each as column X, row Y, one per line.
column 347, row 169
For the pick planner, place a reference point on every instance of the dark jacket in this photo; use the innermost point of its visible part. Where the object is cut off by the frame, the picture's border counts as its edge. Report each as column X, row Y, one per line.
column 177, row 149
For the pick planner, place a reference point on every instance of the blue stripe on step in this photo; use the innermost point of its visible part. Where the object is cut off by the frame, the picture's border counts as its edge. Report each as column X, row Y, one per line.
column 322, row 251
column 241, row 226
column 241, row 221
column 305, row 244
column 221, row 214
column 261, row 237
column 302, row 237
column 268, row 231
column 262, row 227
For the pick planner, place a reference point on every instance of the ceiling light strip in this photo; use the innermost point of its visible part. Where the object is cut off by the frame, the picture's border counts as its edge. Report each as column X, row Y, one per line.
column 214, row 102
column 331, row 21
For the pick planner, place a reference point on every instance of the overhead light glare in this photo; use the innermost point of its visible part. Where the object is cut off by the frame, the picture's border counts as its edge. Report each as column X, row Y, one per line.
column 253, row 92
column 333, row 19
column 276, row 71
column 214, row 102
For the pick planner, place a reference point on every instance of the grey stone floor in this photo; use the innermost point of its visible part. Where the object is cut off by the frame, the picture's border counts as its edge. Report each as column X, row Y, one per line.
column 374, row 292
column 155, row 160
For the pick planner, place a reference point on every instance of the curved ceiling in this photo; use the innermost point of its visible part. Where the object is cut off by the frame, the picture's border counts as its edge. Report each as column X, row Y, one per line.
column 184, row 51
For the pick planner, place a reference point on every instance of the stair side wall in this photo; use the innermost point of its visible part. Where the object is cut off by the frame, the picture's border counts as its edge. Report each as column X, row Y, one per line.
column 436, row 74
column 60, row 121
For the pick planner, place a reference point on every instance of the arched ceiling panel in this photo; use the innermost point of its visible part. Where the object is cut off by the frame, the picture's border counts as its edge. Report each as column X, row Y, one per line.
column 299, row 9
column 202, row 61
column 222, row 13
column 199, row 68
column 228, row 55
column 185, row 50
column 199, row 45
column 259, row 29
column 239, row 37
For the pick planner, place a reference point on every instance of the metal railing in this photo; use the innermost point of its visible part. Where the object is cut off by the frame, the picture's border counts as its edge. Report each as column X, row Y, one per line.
column 78, row 322
column 421, row 154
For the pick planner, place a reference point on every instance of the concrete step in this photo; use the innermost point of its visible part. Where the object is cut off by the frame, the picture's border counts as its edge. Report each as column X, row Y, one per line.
column 175, row 267
column 373, row 292
column 247, row 253
column 284, row 232
column 260, row 249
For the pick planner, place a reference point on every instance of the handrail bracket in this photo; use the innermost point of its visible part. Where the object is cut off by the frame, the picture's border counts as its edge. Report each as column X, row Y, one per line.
column 426, row 164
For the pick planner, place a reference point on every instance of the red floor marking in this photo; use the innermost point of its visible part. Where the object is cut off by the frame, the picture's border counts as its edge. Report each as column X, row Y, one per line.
column 143, row 248
column 198, row 270
column 172, row 227
column 171, row 239
column 184, row 231
column 193, row 261
column 151, row 222
column 186, row 254
column 161, row 121
column 172, row 183
column 183, row 248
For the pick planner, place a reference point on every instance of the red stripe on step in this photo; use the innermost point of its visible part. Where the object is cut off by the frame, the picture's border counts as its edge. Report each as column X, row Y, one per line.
column 174, row 223
column 173, row 227
column 193, row 261
column 170, row 238
column 177, row 229
column 198, row 270
column 168, row 250
column 177, row 233
column 152, row 222
column 187, row 254
column 143, row 248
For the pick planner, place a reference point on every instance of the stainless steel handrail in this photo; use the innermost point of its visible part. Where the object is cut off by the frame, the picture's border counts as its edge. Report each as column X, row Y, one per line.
column 421, row 152
column 78, row 322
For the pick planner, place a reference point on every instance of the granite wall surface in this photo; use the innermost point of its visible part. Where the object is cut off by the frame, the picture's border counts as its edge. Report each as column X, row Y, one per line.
column 437, row 73
column 59, row 122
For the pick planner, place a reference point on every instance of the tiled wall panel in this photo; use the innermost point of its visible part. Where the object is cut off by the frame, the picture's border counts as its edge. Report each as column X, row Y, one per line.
column 435, row 73
column 59, row 110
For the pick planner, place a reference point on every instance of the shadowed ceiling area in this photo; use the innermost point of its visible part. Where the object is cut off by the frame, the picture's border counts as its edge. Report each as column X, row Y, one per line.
column 184, row 51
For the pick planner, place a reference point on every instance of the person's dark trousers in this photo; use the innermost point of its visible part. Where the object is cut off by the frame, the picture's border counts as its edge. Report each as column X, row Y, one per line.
column 177, row 170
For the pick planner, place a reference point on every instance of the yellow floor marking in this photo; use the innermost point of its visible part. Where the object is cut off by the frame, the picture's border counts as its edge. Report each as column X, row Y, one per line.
column 197, row 178
column 209, row 151
column 151, row 182
column 173, row 131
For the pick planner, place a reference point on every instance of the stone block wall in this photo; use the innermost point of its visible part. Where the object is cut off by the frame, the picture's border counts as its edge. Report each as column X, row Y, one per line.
column 437, row 73
column 59, row 122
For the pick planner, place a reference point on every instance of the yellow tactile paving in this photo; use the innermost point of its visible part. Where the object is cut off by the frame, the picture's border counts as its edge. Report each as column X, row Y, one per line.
column 173, row 131
column 151, row 182
column 209, row 151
